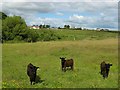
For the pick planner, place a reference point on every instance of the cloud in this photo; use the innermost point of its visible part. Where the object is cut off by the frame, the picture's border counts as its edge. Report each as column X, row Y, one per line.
column 29, row 7
column 60, row 0
column 92, row 22
column 50, row 21
column 60, row 14
column 0, row 6
column 42, row 7
column 76, row 17
column 84, row 13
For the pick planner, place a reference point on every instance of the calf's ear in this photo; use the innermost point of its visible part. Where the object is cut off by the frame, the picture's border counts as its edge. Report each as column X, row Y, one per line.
column 109, row 64
column 38, row 68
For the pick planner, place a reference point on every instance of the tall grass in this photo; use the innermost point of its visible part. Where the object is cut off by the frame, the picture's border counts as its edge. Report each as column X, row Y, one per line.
column 71, row 35
column 87, row 55
column 65, row 35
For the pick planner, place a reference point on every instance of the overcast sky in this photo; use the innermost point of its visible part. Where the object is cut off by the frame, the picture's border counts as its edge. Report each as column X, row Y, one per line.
column 84, row 13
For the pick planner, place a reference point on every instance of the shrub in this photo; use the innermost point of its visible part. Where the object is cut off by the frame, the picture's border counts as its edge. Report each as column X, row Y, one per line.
column 30, row 35
column 48, row 35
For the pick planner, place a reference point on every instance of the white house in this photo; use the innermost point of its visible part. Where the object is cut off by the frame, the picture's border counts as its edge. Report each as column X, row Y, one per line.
column 34, row 27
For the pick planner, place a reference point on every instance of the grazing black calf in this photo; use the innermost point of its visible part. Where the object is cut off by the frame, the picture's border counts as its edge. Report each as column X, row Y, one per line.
column 66, row 63
column 31, row 72
column 105, row 68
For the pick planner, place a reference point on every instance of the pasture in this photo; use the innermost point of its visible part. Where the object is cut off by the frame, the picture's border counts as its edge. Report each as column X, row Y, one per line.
column 87, row 55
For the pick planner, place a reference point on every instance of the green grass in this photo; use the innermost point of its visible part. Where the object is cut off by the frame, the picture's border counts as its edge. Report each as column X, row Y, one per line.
column 87, row 55
column 71, row 35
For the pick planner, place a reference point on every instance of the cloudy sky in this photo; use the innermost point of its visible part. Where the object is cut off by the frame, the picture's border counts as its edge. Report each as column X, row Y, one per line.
column 84, row 13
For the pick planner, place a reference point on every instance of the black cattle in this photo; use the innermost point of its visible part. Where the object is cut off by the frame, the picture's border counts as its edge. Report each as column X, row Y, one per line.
column 31, row 72
column 105, row 67
column 66, row 63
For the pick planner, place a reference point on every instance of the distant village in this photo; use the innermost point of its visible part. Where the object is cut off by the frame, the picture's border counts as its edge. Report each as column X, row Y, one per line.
column 65, row 27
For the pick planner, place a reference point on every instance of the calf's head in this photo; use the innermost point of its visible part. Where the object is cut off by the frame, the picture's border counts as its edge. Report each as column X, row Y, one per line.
column 62, row 59
column 35, row 69
column 108, row 65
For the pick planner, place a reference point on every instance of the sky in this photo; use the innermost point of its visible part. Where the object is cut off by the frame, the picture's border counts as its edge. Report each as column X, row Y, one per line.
column 57, row 13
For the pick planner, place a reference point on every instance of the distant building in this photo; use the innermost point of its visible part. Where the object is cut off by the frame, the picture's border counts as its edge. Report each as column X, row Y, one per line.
column 34, row 27
column 98, row 29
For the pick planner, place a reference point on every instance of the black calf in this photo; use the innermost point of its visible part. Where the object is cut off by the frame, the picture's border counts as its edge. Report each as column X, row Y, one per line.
column 31, row 72
column 105, row 68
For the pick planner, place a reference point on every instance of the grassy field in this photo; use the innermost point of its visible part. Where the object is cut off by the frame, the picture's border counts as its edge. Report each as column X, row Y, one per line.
column 87, row 55
column 84, row 34
column 70, row 35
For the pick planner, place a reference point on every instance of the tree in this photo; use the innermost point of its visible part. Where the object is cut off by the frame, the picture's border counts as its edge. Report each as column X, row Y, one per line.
column 41, row 26
column 12, row 27
column 15, row 28
column 59, row 27
column 2, row 15
column 44, row 26
column 47, row 26
column 66, row 26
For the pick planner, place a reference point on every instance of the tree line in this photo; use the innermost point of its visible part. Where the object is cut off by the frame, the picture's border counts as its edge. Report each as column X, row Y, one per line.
column 14, row 28
column 48, row 26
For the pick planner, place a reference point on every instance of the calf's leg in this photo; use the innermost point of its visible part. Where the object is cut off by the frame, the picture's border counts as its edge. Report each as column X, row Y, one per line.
column 107, row 72
column 71, row 67
column 30, row 82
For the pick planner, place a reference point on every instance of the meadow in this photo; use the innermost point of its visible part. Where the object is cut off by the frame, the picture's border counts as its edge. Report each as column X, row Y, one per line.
column 87, row 54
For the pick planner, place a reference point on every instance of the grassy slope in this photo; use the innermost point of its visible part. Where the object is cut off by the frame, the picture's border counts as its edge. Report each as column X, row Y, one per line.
column 71, row 35
column 87, row 55
column 83, row 34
